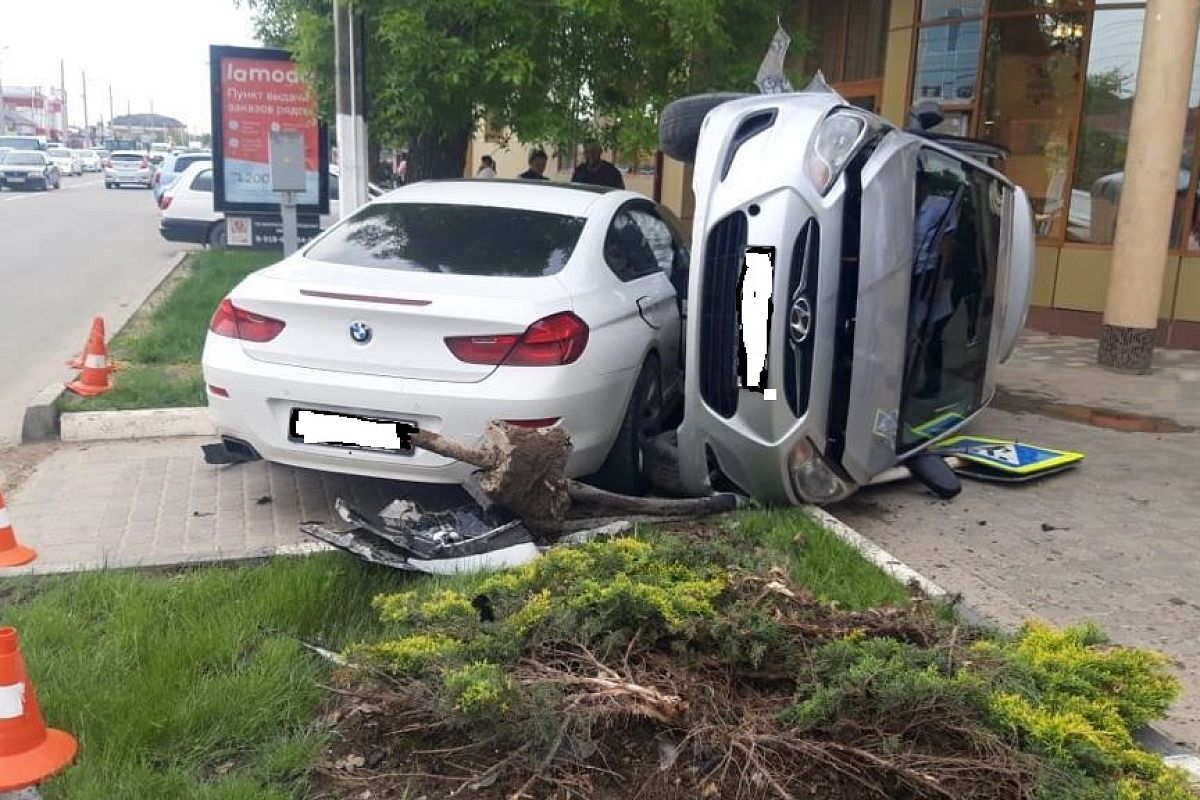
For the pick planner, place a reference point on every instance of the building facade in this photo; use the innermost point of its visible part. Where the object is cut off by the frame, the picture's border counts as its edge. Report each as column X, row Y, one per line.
column 1051, row 80
column 32, row 106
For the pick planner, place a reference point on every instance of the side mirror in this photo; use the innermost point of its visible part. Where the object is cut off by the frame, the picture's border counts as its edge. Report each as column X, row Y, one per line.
column 925, row 115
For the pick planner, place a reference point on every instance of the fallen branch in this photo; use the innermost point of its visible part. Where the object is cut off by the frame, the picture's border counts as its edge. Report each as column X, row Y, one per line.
column 524, row 469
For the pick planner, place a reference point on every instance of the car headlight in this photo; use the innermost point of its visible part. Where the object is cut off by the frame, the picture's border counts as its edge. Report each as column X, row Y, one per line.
column 838, row 138
column 812, row 479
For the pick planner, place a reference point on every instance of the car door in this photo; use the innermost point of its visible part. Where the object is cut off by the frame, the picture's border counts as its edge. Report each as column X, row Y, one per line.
column 640, row 249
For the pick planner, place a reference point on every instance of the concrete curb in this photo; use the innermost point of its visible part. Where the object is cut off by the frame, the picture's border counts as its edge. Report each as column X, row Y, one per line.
column 146, row 423
column 42, row 417
column 1149, row 737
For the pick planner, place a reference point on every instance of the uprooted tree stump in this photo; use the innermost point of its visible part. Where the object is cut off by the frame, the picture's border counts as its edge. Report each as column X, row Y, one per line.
column 524, row 470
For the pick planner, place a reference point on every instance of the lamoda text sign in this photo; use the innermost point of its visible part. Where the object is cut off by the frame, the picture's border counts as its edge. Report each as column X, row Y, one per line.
column 256, row 91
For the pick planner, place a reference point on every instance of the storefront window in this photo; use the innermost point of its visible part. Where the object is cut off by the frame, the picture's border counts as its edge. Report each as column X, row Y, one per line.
column 847, row 41
column 948, row 61
column 1033, row 76
column 948, row 9
column 866, row 40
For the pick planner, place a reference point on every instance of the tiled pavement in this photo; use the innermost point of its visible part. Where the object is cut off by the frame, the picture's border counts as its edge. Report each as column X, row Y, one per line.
column 156, row 502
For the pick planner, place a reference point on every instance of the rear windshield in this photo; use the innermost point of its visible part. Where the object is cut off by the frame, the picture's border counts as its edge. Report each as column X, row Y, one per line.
column 23, row 159
column 126, row 157
column 456, row 239
column 19, row 142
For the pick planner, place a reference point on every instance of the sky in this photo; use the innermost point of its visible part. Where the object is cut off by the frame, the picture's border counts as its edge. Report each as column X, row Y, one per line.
column 149, row 51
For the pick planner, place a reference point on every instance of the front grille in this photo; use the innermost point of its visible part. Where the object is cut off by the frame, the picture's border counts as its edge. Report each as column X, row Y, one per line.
column 802, row 288
column 718, row 346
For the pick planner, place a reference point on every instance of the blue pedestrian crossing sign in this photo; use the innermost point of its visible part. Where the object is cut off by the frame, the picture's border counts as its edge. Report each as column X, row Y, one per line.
column 1006, row 455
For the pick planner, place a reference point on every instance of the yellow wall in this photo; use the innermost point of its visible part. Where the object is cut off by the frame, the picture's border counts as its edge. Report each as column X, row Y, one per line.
column 900, row 43
column 1187, row 300
column 1081, row 282
column 1045, row 271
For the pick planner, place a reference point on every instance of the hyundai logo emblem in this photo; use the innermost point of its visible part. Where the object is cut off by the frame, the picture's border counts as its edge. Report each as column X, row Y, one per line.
column 799, row 320
column 360, row 332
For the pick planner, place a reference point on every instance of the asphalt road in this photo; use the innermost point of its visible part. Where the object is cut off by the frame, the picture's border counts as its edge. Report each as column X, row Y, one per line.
column 65, row 257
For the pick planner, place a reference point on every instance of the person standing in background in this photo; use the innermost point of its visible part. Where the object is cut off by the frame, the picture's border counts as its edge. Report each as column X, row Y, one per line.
column 597, row 171
column 537, row 166
column 487, row 168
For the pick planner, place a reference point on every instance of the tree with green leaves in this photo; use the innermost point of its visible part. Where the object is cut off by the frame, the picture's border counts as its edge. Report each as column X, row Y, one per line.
column 554, row 72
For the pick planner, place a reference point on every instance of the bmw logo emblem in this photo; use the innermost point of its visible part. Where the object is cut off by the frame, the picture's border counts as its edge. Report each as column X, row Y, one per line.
column 360, row 332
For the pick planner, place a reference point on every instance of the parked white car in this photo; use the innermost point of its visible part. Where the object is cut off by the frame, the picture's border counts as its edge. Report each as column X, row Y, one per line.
column 67, row 162
column 445, row 304
column 125, row 167
column 186, row 213
column 89, row 161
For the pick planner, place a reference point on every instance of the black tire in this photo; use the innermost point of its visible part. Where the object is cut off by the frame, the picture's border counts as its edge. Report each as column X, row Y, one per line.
column 625, row 470
column 679, row 125
column 217, row 237
column 58, row 182
column 662, row 465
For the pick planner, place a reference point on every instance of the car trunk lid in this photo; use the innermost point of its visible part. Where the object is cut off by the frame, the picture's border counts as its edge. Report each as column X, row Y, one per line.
column 366, row 321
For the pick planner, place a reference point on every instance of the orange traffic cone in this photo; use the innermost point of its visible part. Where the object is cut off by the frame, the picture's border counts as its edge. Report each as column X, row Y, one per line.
column 97, row 330
column 11, row 553
column 93, row 380
column 29, row 751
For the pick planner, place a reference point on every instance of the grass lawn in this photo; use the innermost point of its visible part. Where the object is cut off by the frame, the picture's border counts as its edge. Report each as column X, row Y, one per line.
column 179, row 685
column 159, row 350
column 190, row 685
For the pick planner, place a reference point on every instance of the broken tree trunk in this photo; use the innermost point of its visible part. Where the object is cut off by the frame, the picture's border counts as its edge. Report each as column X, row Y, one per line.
column 524, row 469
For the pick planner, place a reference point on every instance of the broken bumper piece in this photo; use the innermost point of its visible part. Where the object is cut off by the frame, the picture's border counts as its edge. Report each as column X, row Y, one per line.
column 440, row 543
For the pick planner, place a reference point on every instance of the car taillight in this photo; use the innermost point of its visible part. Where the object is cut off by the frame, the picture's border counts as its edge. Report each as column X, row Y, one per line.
column 108, row 163
column 553, row 341
column 145, row 164
column 164, row 202
column 237, row 323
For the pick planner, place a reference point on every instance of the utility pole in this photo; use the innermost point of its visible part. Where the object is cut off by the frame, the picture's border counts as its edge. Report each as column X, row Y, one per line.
column 85, row 108
column 110, row 105
column 62, row 87
column 349, row 63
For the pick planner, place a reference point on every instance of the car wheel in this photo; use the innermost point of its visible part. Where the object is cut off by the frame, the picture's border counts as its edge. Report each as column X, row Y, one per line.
column 217, row 237
column 58, row 182
column 626, row 469
column 679, row 125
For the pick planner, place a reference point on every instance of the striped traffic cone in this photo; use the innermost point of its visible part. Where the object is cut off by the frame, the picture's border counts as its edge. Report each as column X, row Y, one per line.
column 93, row 380
column 11, row 553
column 97, row 330
column 29, row 751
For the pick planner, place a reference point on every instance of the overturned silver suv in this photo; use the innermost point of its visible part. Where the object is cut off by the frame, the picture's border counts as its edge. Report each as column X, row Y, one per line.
column 853, row 287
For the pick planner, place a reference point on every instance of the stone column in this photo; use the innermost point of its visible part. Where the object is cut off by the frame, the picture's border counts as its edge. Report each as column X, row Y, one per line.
column 1152, row 160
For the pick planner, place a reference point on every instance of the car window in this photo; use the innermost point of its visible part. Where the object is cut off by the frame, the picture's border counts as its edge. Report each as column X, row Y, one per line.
column 203, row 182
column 626, row 250
column 126, row 157
column 456, row 239
column 59, row 153
column 24, row 159
column 957, row 215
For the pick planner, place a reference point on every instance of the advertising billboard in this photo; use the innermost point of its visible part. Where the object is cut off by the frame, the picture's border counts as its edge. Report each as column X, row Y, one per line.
column 256, row 91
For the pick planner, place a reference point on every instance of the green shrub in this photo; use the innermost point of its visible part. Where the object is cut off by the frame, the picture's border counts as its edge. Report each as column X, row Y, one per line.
column 480, row 690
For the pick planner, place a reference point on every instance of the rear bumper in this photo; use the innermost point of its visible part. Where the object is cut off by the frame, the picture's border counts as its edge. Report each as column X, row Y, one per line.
column 193, row 231
column 263, row 395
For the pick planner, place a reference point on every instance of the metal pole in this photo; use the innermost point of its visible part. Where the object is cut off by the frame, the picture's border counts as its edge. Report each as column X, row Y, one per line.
column 62, row 87
column 291, row 236
column 85, row 108
column 349, row 59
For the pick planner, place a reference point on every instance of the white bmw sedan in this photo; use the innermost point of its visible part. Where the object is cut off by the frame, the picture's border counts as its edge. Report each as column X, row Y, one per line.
column 446, row 304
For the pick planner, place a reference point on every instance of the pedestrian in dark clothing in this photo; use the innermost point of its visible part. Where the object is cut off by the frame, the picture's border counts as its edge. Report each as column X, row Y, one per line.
column 597, row 171
column 537, row 166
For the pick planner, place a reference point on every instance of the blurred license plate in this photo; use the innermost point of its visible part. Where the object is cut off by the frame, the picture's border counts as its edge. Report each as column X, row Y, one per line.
column 329, row 429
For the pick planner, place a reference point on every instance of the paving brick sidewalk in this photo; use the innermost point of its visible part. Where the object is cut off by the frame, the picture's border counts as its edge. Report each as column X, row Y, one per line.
column 1113, row 541
column 121, row 504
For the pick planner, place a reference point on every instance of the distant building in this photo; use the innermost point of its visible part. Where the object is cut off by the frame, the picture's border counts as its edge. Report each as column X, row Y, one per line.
column 13, row 123
column 35, row 106
column 149, row 128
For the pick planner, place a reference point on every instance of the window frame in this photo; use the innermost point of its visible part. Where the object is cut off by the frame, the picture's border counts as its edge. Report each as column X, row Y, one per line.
column 637, row 205
column 201, row 174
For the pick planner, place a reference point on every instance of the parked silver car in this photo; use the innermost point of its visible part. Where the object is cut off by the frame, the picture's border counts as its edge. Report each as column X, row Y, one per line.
column 853, row 287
